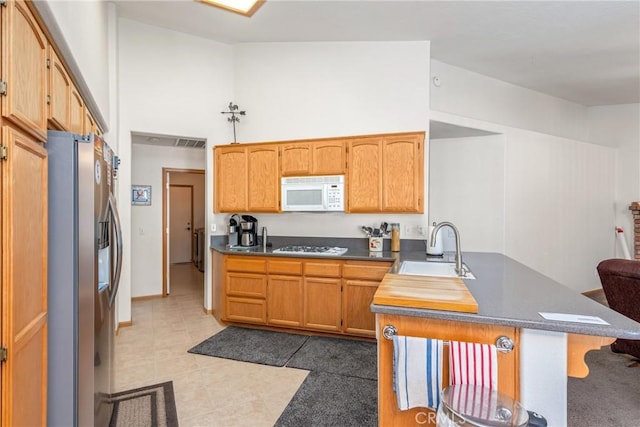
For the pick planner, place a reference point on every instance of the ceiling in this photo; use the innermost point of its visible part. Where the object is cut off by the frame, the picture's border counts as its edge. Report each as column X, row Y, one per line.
column 582, row 51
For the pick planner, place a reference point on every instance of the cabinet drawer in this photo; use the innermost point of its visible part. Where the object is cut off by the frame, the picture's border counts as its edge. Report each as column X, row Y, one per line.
column 246, row 264
column 246, row 310
column 285, row 267
column 322, row 269
column 368, row 271
column 247, row 285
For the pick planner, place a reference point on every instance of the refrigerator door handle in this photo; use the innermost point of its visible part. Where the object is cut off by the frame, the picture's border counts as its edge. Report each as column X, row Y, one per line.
column 118, row 234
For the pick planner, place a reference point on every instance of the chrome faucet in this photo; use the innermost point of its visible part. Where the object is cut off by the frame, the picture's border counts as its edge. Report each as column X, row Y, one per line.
column 432, row 241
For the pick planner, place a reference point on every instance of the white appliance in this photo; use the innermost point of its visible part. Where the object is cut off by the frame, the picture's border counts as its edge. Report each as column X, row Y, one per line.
column 313, row 193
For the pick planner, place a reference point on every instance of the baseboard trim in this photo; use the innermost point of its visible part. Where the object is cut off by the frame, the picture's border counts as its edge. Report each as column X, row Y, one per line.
column 146, row 297
column 593, row 292
column 123, row 325
column 207, row 311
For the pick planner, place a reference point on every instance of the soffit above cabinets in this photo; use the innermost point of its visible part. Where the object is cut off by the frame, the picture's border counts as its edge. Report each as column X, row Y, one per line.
column 442, row 130
column 167, row 140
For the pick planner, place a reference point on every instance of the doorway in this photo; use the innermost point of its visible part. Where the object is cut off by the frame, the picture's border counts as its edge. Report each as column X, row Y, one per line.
column 183, row 215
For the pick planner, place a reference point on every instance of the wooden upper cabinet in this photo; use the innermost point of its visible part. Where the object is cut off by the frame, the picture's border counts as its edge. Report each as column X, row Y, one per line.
column 24, row 70
column 76, row 106
column 60, row 86
column 364, row 175
column 386, row 174
column 324, row 157
column 89, row 123
column 231, row 178
column 329, row 157
column 263, row 181
column 296, row 159
column 403, row 173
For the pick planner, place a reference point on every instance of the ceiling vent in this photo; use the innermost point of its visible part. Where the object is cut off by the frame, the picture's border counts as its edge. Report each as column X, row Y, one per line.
column 190, row 143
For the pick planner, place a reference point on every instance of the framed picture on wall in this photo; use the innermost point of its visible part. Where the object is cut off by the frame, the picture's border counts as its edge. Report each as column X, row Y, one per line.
column 141, row 195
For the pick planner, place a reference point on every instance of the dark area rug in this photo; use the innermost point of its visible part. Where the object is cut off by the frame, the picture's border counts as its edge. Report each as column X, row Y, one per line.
column 337, row 356
column 151, row 406
column 251, row 345
column 326, row 399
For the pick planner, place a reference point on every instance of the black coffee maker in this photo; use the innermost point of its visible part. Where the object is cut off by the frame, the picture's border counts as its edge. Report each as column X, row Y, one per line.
column 248, row 231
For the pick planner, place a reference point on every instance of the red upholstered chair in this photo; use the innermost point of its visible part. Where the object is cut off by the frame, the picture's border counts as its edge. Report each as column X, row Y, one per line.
column 620, row 280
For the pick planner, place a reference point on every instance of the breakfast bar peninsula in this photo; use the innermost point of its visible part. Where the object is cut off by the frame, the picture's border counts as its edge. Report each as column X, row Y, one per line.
column 551, row 328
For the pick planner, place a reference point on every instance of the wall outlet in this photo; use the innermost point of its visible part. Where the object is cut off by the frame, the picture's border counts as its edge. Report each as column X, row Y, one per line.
column 214, row 227
column 422, row 230
column 407, row 230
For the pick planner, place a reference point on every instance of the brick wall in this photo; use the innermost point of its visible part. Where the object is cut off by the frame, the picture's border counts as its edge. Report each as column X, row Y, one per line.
column 635, row 210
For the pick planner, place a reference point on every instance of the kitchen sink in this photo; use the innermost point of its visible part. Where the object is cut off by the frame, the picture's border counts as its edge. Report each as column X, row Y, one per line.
column 438, row 269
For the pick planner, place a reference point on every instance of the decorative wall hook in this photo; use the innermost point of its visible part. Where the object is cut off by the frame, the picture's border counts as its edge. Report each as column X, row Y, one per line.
column 233, row 110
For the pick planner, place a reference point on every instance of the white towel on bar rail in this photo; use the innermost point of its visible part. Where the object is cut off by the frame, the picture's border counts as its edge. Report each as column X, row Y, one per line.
column 417, row 372
column 473, row 363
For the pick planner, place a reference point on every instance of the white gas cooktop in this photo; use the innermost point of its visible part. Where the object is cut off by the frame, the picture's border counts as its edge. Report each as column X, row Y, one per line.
column 310, row 250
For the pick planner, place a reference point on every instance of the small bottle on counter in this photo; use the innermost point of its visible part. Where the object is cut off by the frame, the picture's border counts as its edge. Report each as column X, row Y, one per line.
column 264, row 239
column 395, row 237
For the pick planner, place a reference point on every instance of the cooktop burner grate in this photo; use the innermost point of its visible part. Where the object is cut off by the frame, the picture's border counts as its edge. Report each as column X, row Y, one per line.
column 310, row 250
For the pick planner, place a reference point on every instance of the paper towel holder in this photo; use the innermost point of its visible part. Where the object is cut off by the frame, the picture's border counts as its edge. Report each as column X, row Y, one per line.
column 438, row 248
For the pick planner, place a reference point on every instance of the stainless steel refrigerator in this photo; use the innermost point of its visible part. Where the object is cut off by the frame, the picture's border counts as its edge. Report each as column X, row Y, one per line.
column 85, row 260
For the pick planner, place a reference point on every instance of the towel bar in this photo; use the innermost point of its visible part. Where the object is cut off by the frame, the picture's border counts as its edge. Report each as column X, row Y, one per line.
column 504, row 344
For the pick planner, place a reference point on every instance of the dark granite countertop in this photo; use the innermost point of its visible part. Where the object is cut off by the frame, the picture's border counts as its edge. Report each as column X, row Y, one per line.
column 508, row 292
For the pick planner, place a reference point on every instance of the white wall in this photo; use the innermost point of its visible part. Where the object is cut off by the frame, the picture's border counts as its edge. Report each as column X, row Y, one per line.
column 559, row 198
column 146, row 221
column 85, row 27
column 619, row 126
column 476, row 96
column 315, row 90
column 170, row 83
column 466, row 187
column 558, row 190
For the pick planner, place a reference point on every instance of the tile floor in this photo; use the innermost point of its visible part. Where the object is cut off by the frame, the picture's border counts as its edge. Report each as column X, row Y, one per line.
column 209, row 391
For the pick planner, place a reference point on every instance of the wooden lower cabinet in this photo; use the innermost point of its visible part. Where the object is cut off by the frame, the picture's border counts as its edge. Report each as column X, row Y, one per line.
column 332, row 296
column 357, row 318
column 284, row 301
column 322, row 298
column 508, row 363
column 248, row 310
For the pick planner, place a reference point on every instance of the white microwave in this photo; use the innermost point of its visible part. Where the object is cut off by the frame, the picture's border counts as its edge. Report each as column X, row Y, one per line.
column 313, row 193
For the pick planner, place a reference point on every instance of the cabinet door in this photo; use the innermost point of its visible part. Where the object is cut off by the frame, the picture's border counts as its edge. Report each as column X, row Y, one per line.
column 284, row 300
column 296, row 159
column 508, row 366
column 76, row 107
column 246, row 285
column 356, row 315
column 89, row 124
column 403, row 173
column 329, row 157
column 263, row 185
column 24, row 70
column 247, row 310
column 364, row 174
column 322, row 304
column 231, row 179
column 23, row 260
column 59, row 93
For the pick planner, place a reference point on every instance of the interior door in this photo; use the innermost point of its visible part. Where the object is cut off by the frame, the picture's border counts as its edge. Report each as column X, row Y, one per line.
column 180, row 223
